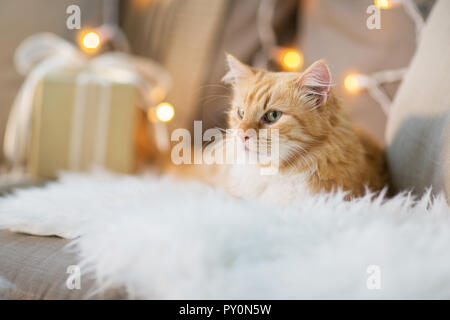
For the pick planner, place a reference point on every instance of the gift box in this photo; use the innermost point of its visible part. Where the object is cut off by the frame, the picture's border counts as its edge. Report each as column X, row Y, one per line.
column 75, row 112
column 80, row 121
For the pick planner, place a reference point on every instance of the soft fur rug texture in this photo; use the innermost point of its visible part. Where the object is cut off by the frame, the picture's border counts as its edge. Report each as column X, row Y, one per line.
column 160, row 238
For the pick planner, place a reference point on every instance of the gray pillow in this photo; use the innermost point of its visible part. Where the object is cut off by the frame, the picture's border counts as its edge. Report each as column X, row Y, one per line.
column 418, row 128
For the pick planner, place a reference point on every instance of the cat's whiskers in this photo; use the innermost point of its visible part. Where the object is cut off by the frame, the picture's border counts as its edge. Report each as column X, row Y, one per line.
column 297, row 154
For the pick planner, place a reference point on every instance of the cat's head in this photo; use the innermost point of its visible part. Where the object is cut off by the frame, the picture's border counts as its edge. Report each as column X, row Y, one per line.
column 299, row 105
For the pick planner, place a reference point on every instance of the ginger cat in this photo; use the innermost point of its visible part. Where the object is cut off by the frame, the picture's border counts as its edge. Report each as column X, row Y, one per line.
column 319, row 151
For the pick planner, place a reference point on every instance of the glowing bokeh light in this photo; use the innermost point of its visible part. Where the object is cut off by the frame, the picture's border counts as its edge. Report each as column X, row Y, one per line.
column 91, row 40
column 383, row 4
column 352, row 82
column 292, row 59
column 164, row 112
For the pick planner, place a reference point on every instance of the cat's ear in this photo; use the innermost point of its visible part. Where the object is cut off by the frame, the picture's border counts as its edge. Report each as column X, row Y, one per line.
column 315, row 83
column 238, row 71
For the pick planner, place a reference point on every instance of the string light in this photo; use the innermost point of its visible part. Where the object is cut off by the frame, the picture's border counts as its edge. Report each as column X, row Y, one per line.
column 383, row 4
column 388, row 4
column 372, row 83
column 164, row 112
column 158, row 116
column 89, row 41
column 291, row 59
column 354, row 82
column 288, row 58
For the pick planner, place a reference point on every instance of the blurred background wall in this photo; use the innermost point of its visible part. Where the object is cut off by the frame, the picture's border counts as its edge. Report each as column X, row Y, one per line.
column 190, row 37
column 336, row 30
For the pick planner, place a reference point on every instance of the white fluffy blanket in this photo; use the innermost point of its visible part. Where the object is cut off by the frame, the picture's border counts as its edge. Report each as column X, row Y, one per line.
column 164, row 239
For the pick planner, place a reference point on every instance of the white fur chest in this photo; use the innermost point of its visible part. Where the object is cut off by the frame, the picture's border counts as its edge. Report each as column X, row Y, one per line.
column 246, row 181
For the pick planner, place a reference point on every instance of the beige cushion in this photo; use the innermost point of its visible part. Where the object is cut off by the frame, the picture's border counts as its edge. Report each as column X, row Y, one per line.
column 418, row 130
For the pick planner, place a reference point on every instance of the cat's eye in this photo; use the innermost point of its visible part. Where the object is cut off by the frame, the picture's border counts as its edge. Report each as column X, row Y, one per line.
column 272, row 116
column 240, row 113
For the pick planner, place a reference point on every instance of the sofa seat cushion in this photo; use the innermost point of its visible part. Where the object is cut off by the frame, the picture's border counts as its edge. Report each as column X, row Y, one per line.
column 37, row 268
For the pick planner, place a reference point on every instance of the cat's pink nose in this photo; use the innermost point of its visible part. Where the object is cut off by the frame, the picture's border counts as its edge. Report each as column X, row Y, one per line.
column 244, row 136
